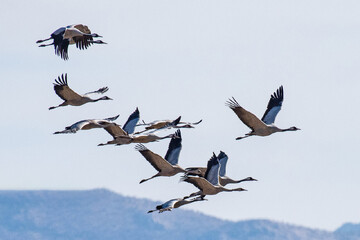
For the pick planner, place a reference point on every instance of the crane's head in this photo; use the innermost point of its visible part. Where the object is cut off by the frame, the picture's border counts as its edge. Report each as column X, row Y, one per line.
column 95, row 35
column 250, row 179
column 100, row 42
column 294, row 128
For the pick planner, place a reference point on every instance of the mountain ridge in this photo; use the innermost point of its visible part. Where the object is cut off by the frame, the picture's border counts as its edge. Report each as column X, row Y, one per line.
column 102, row 214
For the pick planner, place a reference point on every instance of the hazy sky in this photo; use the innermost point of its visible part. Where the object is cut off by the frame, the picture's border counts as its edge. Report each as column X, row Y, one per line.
column 172, row 58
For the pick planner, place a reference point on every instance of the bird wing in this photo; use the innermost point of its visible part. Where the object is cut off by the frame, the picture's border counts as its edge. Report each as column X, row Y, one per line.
column 154, row 159
column 172, row 123
column 115, row 130
column 223, row 161
column 90, row 125
column 100, row 90
column 82, row 42
column 246, row 117
column 61, row 47
column 173, row 152
column 79, row 125
column 170, row 203
column 62, row 89
column 82, row 28
column 59, row 44
column 182, row 201
column 130, row 124
column 274, row 106
column 112, row 118
column 212, row 172
column 199, row 182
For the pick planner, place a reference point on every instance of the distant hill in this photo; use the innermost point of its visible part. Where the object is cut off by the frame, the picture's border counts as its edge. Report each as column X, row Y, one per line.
column 348, row 231
column 101, row 214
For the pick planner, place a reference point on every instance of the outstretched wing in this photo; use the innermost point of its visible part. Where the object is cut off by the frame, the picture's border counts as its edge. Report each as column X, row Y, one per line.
column 246, row 117
column 173, row 123
column 154, row 159
column 112, row 118
column 173, row 152
column 115, row 130
column 274, row 106
column 82, row 28
column 62, row 89
column 100, row 90
column 199, row 182
column 223, row 161
column 212, row 171
column 61, row 49
column 130, row 124
column 82, row 42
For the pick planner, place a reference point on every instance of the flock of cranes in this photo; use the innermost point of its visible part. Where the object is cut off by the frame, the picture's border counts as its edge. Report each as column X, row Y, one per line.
column 210, row 180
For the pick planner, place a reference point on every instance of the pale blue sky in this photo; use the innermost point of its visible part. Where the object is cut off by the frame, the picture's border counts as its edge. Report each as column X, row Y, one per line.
column 172, row 58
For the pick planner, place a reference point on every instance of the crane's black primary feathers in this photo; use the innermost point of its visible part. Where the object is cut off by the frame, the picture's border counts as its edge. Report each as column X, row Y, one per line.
column 274, row 106
column 212, row 171
column 130, row 124
column 173, row 152
column 223, row 161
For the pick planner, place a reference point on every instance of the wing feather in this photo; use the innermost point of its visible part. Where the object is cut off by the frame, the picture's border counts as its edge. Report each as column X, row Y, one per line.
column 199, row 182
column 82, row 28
column 212, row 171
column 62, row 89
column 246, row 117
column 223, row 158
column 100, row 91
column 173, row 152
column 130, row 124
column 115, row 130
column 154, row 159
column 274, row 106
